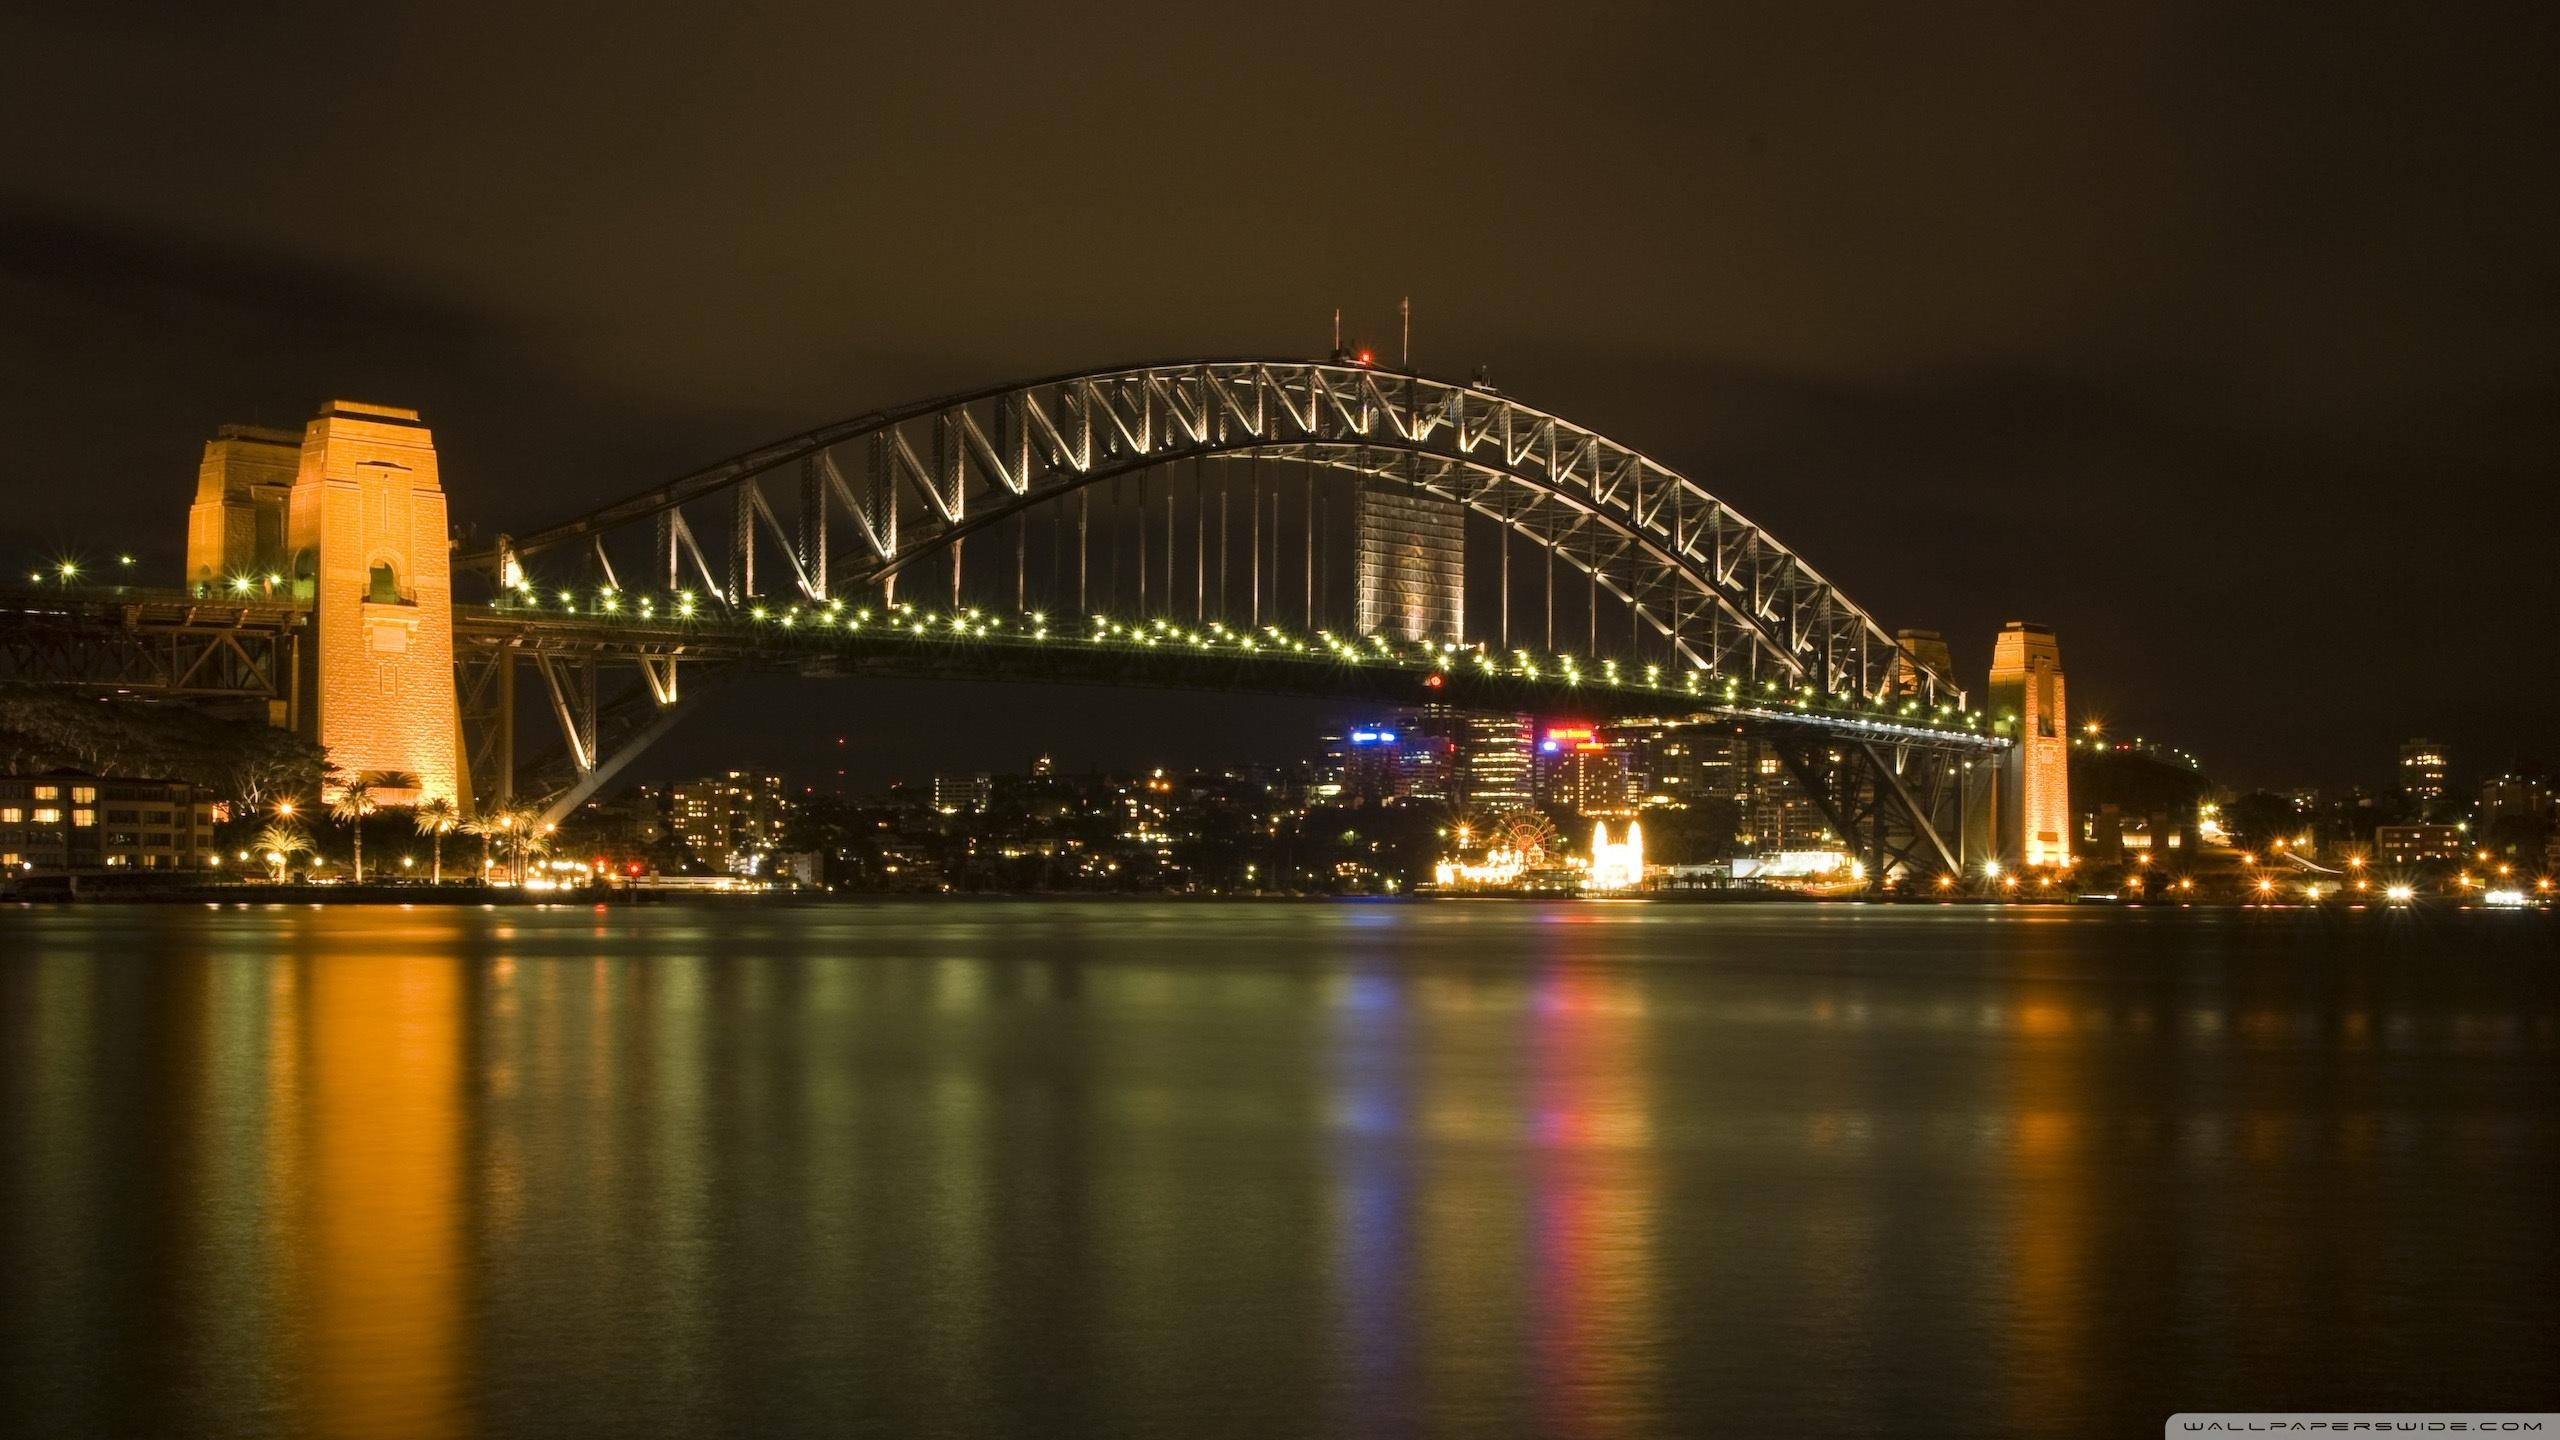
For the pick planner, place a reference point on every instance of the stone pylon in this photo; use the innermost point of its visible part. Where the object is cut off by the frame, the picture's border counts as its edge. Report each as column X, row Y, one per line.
column 372, row 557
column 2035, row 780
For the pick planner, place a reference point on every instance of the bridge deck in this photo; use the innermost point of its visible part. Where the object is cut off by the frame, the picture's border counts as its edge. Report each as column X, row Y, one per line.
column 912, row 643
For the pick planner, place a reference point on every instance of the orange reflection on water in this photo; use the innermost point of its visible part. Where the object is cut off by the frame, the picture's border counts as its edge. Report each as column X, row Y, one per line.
column 1595, row 1224
column 369, row 1091
column 2049, row 1246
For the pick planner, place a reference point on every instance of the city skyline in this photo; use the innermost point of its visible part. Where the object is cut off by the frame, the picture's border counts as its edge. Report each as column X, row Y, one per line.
column 2131, row 410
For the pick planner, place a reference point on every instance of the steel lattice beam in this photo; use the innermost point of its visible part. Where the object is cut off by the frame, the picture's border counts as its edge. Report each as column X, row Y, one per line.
column 962, row 463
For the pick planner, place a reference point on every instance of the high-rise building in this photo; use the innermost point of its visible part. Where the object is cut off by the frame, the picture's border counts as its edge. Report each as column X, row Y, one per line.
column 957, row 794
column 1409, row 553
column 2514, row 797
column 2035, row 778
column 729, row 821
column 1778, row 816
column 1362, row 767
column 1495, row 752
column 1579, row 771
column 2422, row 774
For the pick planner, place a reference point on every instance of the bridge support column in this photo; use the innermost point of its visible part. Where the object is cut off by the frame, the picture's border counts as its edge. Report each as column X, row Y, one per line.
column 366, row 525
column 2035, row 802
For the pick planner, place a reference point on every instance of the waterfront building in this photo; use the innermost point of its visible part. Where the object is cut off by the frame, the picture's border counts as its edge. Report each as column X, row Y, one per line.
column 2410, row 844
column 69, row 820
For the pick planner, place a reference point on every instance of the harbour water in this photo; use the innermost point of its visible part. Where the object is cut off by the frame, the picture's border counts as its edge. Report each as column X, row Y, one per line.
column 1164, row 1169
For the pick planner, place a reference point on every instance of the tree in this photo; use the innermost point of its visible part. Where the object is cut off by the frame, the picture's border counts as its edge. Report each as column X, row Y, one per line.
column 435, row 819
column 527, row 835
column 355, row 801
column 2259, row 819
column 488, row 825
column 278, row 844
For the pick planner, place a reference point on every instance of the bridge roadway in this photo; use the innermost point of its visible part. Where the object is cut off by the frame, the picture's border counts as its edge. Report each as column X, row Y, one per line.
column 913, row 642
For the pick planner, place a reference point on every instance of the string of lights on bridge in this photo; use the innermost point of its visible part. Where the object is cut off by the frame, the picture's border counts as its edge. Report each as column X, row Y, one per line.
column 1430, row 661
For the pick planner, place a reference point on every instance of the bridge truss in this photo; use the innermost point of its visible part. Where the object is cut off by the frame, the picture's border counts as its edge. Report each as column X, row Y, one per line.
column 1201, row 491
column 122, row 640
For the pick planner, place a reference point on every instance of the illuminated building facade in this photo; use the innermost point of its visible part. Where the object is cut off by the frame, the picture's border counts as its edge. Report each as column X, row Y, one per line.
column 1496, row 753
column 1778, row 817
column 2035, row 779
column 69, row 820
column 730, row 821
column 1580, row 772
column 956, row 794
column 2409, row 844
column 371, row 555
column 2423, row 775
column 1409, row 553
column 1365, row 766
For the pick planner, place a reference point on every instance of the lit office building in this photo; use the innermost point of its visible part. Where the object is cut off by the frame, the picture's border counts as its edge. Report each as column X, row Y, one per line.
column 731, row 821
column 2422, row 774
column 1495, row 753
column 1579, row 771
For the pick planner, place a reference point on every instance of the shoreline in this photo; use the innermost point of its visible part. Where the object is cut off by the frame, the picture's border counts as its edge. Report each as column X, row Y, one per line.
column 412, row 896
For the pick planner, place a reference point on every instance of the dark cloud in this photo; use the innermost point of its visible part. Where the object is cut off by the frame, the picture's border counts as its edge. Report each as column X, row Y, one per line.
column 2221, row 337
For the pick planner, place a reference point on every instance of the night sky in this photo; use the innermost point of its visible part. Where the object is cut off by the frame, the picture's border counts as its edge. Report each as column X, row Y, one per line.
column 2219, row 337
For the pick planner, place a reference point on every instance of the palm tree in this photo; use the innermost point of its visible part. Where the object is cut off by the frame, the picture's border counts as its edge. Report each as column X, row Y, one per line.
column 355, row 801
column 489, row 825
column 435, row 819
column 279, row 843
column 525, row 833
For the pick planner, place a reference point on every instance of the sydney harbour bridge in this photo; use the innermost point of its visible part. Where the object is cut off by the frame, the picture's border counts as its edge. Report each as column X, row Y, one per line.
column 1255, row 526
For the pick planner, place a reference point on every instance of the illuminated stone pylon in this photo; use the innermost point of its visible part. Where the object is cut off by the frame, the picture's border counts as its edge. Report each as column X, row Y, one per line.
column 2035, row 775
column 236, row 528
column 372, row 557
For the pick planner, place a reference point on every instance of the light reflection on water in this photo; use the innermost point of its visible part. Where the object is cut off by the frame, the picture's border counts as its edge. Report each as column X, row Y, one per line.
column 1280, row 1169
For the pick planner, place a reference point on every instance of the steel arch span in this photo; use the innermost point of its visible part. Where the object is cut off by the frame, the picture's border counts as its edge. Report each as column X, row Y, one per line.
column 886, row 494
column 833, row 520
